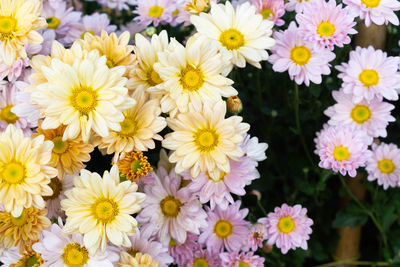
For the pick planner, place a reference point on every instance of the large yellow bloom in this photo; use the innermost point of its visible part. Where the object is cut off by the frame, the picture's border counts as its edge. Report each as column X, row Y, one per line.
column 101, row 208
column 19, row 22
column 24, row 170
column 139, row 260
column 203, row 140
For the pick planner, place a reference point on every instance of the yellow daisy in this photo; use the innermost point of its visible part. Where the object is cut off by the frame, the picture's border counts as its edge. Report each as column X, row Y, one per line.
column 203, row 140
column 23, row 230
column 67, row 156
column 197, row 6
column 24, row 170
column 101, row 208
column 140, row 126
column 134, row 166
column 19, row 22
column 139, row 260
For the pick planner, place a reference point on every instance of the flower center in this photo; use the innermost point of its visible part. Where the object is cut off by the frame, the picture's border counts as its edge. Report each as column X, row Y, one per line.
column 223, row 229
column 133, row 166
column 170, row 206
column 60, row 146
column 191, row 78
column 53, row 22
column 172, row 243
column 136, row 165
column 84, row 100
column 206, row 139
column 7, row 115
column 300, row 55
column 105, row 210
column 369, row 77
column 21, row 219
column 200, row 262
column 7, row 28
column 243, row 264
column 75, row 256
column 341, row 153
column 386, row 166
column 361, row 114
column 267, row 13
column 128, row 127
column 232, row 39
column 29, row 259
column 13, row 173
column 156, row 11
column 326, row 29
column 371, row 3
column 286, row 225
column 56, row 186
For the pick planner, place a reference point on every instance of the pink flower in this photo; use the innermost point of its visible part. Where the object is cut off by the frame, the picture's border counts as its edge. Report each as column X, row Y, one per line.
column 326, row 24
column 370, row 73
column 257, row 234
column 182, row 253
column 14, row 71
column 226, row 228
column 45, row 47
column 288, row 227
column 297, row 5
column 384, row 165
column 202, row 257
column 234, row 259
column 372, row 117
column 117, row 4
column 378, row 11
column 300, row 59
column 271, row 10
column 154, row 11
column 342, row 149
column 253, row 149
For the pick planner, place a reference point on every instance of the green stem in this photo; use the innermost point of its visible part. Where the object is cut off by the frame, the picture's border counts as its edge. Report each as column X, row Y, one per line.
column 353, row 262
column 261, row 207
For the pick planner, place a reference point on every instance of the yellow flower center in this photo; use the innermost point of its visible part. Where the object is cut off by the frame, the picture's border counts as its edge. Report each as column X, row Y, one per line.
column 29, row 259
column 326, row 29
column 105, row 210
column 200, row 262
column 89, row 31
column 176, row 12
column 153, row 78
column 286, row 225
column 341, row 153
column 243, row 264
column 21, row 219
column 300, row 55
column 53, row 22
column 13, row 173
column 7, row 28
column 172, row 242
column 232, row 39
column 156, row 11
column 75, row 256
column 369, row 77
column 60, row 146
column 7, row 115
column 56, row 186
column 133, row 166
column 191, row 78
column 128, row 127
column 136, row 165
column 223, row 229
column 360, row 114
column 170, row 206
column 371, row 3
column 206, row 139
column 267, row 13
column 84, row 99
column 386, row 166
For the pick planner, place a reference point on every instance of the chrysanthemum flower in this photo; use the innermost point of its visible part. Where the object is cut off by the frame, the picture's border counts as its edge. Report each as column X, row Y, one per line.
column 170, row 209
column 191, row 75
column 297, row 5
column 235, row 258
column 182, row 253
column 326, row 24
column 257, row 234
column 342, row 149
column 153, row 11
column 384, row 165
column 304, row 63
column 271, row 10
column 45, row 47
column 253, row 149
column 24, row 170
column 202, row 257
column 203, row 140
column 376, row 11
column 23, row 230
column 226, row 229
column 14, row 71
column 134, row 166
column 101, row 209
column 117, row 4
column 373, row 117
column 12, row 258
column 67, row 156
column 59, row 188
column 58, row 249
column 139, row 260
column 288, row 227
column 241, row 33
column 19, row 22
column 370, row 73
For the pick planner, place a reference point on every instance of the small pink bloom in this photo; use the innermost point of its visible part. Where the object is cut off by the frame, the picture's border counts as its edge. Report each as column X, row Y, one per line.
column 14, row 71
column 271, row 10
column 235, row 259
column 154, row 11
column 203, row 256
column 182, row 253
column 257, row 234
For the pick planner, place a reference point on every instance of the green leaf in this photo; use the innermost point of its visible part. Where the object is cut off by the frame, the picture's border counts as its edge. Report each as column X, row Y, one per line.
column 351, row 216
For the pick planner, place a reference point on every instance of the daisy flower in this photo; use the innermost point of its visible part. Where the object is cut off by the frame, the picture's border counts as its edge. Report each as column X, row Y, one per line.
column 58, row 249
column 372, row 117
column 342, row 149
column 19, row 22
column 257, row 234
column 191, row 75
column 12, row 258
column 182, row 253
column 253, row 149
column 235, row 258
column 202, row 257
column 271, row 10
column 375, row 11
column 14, row 71
column 226, row 228
column 172, row 212
column 117, row 4
column 304, row 63
column 370, row 73
column 139, row 259
column 384, row 165
column 134, row 166
column 153, row 11
column 25, row 171
column 326, row 24
column 297, row 5
column 241, row 33
column 288, row 227
column 59, row 188
column 203, row 140
column 101, row 209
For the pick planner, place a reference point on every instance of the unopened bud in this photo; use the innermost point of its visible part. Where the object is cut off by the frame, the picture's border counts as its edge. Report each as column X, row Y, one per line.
column 267, row 248
column 234, row 104
column 150, row 31
column 256, row 193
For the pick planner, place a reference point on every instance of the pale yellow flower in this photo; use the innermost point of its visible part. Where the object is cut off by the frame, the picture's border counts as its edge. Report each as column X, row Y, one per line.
column 197, row 6
column 139, row 260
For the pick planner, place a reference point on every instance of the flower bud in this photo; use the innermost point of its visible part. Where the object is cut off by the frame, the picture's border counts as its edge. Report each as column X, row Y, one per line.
column 234, row 105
